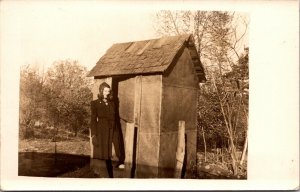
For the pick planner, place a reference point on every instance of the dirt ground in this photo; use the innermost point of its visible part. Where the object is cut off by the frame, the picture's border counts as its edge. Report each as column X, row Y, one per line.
column 72, row 160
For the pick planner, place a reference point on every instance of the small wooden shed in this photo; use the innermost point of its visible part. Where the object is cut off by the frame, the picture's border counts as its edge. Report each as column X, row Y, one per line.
column 156, row 82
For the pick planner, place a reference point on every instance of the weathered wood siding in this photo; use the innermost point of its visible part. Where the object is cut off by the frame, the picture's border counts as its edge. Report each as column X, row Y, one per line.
column 148, row 140
column 179, row 103
column 126, row 96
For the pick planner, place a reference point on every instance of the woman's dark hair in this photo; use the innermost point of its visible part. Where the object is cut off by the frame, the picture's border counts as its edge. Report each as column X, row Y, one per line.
column 101, row 88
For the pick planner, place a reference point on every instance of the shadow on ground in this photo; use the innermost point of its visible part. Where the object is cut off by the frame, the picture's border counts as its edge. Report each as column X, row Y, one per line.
column 49, row 164
column 78, row 166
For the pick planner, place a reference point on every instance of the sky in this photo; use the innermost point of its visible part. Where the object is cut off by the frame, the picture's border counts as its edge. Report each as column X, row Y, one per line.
column 54, row 31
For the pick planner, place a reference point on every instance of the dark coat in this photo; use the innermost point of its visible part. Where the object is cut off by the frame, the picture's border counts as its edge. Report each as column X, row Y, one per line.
column 102, row 126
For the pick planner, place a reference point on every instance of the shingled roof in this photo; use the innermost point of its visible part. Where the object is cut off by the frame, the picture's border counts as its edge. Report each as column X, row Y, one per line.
column 143, row 57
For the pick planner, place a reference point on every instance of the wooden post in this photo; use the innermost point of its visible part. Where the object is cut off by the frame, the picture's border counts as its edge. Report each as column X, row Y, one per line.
column 180, row 149
column 129, row 140
column 137, row 100
column 91, row 144
column 137, row 122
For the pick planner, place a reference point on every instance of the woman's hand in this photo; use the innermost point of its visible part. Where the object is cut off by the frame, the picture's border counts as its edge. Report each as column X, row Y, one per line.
column 94, row 140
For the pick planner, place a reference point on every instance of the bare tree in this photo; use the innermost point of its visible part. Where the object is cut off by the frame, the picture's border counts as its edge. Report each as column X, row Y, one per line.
column 219, row 38
column 204, row 140
column 218, row 35
column 233, row 100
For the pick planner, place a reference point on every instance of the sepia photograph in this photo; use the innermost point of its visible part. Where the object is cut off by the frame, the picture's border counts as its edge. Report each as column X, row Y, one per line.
column 175, row 106
column 117, row 93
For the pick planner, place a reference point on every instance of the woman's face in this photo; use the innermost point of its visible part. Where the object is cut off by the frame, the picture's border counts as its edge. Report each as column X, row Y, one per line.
column 106, row 92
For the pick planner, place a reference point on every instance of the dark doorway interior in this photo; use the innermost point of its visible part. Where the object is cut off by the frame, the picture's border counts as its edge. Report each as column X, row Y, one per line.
column 124, row 97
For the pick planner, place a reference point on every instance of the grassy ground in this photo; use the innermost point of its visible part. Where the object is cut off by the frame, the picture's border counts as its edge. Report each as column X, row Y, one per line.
column 65, row 164
column 76, row 146
column 38, row 152
column 80, row 146
column 42, row 140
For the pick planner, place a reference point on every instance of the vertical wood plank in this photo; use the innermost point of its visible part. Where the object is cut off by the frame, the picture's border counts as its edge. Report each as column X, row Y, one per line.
column 180, row 149
column 91, row 145
column 129, row 140
column 137, row 100
column 137, row 117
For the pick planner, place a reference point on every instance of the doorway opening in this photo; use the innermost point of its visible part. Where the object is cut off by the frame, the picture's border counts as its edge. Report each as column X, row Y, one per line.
column 123, row 90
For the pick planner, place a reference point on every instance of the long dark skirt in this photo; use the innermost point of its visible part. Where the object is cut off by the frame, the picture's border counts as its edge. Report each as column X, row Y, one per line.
column 104, row 136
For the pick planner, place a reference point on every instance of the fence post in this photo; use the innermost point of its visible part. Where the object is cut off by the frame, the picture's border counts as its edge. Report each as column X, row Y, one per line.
column 180, row 149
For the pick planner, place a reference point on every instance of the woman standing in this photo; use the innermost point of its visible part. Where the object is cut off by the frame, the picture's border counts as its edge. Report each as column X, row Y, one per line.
column 103, row 128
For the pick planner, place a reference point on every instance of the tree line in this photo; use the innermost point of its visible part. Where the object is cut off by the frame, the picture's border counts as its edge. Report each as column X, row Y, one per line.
column 59, row 97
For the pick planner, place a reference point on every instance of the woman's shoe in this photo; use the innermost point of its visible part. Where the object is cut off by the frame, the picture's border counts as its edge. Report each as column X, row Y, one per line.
column 121, row 166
